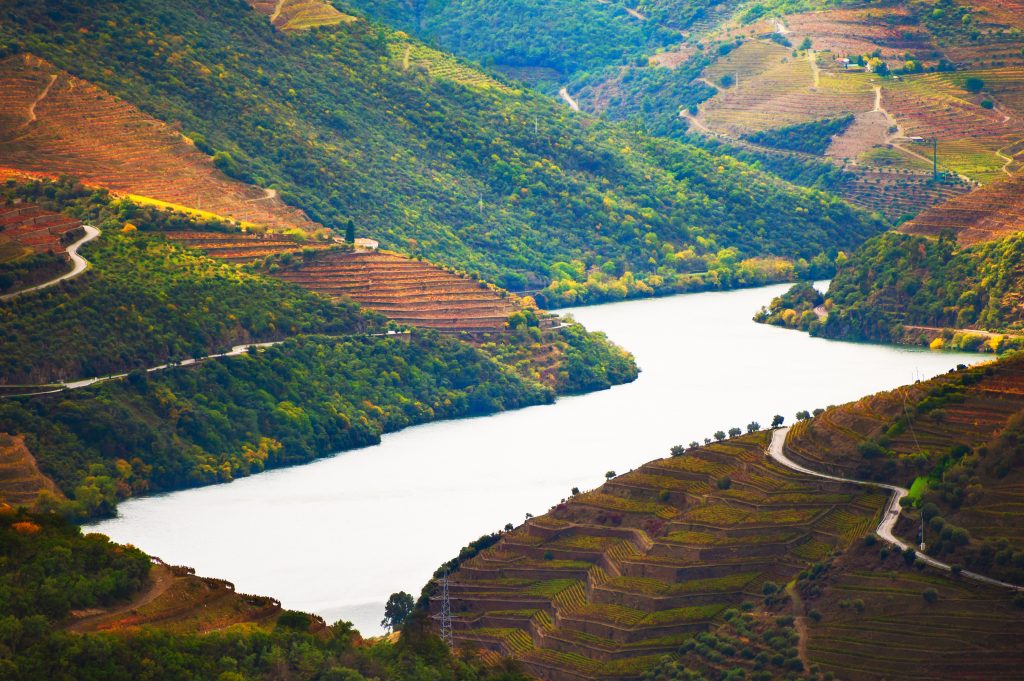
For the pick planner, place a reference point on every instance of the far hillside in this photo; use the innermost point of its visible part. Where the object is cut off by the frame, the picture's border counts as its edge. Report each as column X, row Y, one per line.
column 423, row 152
column 949, row 278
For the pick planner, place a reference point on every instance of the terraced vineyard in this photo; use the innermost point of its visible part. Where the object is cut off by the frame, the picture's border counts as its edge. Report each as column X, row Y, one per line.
column 26, row 229
column 295, row 15
column 442, row 66
column 54, row 123
column 243, row 247
column 20, row 477
column 990, row 213
column 876, row 623
column 610, row 580
column 853, row 32
column 409, row 291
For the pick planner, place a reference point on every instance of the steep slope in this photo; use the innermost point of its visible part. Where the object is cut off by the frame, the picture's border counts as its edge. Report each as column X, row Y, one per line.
column 409, row 291
column 493, row 180
column 299, row 15
column 612, row 579
column 68, row 126
column 900, row 288
column 992, row 213
column 955, row 442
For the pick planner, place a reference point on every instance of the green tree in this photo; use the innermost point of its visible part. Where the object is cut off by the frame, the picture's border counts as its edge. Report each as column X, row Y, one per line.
column 397, row 609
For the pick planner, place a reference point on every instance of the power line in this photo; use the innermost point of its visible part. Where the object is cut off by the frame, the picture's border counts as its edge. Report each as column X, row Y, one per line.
column 446, row 613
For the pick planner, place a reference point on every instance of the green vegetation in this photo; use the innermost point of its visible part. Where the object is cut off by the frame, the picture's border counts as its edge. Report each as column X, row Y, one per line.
column 562, row 35
column 146, row 301
column 488, row 180
column 288, row 404
column 47, row 567
column 809, row 138
column 896, row 280
column 29, row 270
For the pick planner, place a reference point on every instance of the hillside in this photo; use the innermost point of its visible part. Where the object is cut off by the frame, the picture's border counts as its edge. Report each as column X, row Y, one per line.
column 33, row 245
column 66, row 126
column 110, row 611
column 432, row 160
column 912, row 289
column 989, row 214
column 954, row 441
column 148, row 305
column 719, row 559
column 612, row 579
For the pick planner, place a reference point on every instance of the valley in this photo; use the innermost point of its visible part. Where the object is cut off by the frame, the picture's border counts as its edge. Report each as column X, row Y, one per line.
column 299, row 296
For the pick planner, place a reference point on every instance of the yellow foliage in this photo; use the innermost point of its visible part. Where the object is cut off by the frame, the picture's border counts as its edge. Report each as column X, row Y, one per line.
column 129, row 227
column 937, row 344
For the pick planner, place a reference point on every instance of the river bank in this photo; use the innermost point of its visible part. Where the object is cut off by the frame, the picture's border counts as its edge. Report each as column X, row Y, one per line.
column 338, row 535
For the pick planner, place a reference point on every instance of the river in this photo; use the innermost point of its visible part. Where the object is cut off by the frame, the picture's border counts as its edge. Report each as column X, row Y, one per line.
column 339, row 535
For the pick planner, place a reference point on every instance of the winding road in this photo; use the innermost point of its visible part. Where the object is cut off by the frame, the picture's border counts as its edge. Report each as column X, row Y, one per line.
column 890, row 515
column 80, row 265
column 233, row 352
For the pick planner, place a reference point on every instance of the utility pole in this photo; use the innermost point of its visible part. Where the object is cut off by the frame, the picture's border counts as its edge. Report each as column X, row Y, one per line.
column 446, row 613
column 935, row 159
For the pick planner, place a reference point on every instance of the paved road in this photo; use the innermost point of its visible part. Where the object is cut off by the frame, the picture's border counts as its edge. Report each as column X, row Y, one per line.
column 80, row 265
column 233, row 352
column 889, row 516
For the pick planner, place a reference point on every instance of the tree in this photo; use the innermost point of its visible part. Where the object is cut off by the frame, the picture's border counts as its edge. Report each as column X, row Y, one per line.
column 803, row 415
column 778, row 420
column 677, row 450
column 719, row 435
column 930, row 595
column 735, row 432
column 350, row 231
column 575, row 491
column 609, row 475
column 974, row 84
column 753, row 427
column 396, row 610
column 509, row 527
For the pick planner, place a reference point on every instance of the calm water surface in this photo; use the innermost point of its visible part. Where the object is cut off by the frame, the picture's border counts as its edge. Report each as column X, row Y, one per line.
column 339, row 535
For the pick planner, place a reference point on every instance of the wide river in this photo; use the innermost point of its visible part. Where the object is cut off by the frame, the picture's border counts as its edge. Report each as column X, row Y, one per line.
column 339, row 535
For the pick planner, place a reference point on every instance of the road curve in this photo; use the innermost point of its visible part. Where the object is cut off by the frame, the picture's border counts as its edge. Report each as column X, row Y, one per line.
column 889, row 516
column 80, row 265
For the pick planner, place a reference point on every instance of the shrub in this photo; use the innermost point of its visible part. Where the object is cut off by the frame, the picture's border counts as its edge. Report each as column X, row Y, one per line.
column 724, row 483
column 930, row 595
column 814, row 615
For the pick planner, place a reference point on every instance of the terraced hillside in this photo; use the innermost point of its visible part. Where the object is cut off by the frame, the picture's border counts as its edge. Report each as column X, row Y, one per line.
column 26, row 228
column 409, row 291
column 243, row 247
column 55, row 123
column 873, row 620
column 991, row 213
column 20, row 478
column 958, row 435
column 612, row 579
column 296, row 15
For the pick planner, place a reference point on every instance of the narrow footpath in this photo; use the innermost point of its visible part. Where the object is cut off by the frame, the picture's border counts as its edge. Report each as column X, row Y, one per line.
column 889, row 516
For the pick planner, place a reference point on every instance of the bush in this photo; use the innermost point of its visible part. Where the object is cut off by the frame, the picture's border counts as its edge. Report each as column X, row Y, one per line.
column 930, row 595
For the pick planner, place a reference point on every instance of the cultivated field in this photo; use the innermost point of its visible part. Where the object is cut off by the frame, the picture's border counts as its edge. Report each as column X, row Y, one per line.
column 612, row 579
column 26, row 228
column 990, row 213
column 54, row 123
column 853, row 32
column 442, row 66
column 876, row 623
column 20, row 477
column 296, row 15
column 409, row 291
column 242, row 247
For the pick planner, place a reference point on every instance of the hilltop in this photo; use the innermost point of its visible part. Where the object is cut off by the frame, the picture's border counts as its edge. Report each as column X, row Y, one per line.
column 430, row 156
